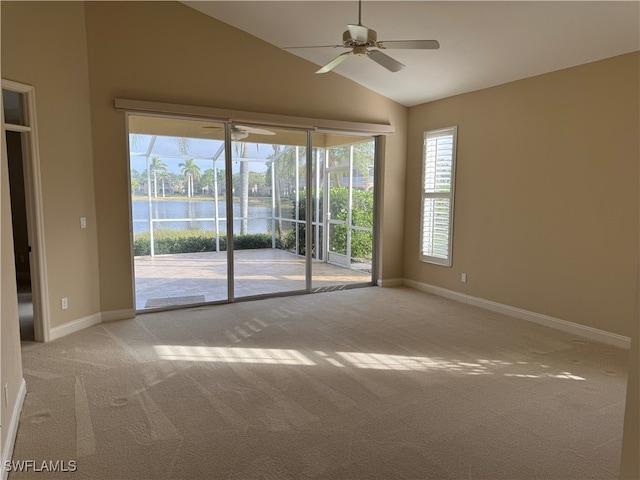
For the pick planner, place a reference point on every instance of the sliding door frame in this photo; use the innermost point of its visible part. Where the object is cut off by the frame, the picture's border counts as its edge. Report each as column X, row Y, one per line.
column 308, row 208
column 229, row 206
column 310, row 126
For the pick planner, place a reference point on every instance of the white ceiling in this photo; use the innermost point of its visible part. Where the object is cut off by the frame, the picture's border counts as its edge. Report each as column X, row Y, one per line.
column 482, row 43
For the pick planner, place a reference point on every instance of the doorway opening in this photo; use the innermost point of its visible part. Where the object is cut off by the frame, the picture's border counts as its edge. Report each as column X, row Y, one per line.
column 20, row 235
column 26, row 209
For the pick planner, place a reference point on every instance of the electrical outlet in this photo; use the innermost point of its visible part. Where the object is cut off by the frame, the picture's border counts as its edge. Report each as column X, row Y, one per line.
column 83, row 222
column 65, row 303
column 6, row 394
column 464, row 278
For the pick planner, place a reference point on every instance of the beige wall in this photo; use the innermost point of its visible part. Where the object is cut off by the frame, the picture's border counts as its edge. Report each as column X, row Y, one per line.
column 630, row 461
column 44, row 45
column 546, row 212
column 168, row 52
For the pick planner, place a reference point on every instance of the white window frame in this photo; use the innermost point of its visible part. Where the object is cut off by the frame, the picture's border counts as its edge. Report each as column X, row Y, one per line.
column 427, row 255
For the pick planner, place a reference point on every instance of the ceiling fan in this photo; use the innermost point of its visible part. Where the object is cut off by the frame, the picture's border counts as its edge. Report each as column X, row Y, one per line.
column 363, row 41
column 240, row 132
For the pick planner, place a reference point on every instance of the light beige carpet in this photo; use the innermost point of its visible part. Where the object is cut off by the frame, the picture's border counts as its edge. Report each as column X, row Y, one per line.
column 359, row 384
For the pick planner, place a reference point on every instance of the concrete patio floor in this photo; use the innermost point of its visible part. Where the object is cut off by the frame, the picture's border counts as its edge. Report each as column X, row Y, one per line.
column 191, row 278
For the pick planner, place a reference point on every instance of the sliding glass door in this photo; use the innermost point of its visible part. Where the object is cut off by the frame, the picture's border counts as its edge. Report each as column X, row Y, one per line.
column 178, row 211
column 270, row 183
column 344, row 240
column 186, row 181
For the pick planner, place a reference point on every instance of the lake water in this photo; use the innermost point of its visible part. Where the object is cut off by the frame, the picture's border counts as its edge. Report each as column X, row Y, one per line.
column 259, row 216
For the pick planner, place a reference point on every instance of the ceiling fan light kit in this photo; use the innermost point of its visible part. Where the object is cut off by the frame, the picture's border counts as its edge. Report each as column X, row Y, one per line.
column 239, row 132
column 363, row 41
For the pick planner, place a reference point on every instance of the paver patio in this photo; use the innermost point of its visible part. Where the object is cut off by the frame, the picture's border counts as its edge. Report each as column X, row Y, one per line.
column 188, row 278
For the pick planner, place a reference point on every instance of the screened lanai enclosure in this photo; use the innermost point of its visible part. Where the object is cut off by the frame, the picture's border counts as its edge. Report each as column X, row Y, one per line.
column 219, row 211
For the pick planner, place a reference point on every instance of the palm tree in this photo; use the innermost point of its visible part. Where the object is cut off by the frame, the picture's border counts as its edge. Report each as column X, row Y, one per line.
column 192, row 171
column 242, row 151
column 283, row 163
column 157, row 166
column 163, row 176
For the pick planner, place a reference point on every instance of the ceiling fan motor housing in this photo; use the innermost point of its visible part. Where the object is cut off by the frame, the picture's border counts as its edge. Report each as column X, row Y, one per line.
column 359, row 35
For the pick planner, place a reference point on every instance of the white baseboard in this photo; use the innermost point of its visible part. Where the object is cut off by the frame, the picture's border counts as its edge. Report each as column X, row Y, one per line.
column 390, row 282
column 74, row 326
column 89, row 321
column 557, row 323
column 118, row 315
column 12, row 430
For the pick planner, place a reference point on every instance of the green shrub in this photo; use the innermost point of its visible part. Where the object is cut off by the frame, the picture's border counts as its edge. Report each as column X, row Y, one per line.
column 361, row 216
column 286, row 240
column 194, row 241
column 251, row 241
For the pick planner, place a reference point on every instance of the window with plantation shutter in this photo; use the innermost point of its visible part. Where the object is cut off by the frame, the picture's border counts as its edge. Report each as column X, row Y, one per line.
column 438, row 181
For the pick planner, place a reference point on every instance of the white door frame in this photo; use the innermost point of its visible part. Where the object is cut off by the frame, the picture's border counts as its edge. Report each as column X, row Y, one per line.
column 35, row 214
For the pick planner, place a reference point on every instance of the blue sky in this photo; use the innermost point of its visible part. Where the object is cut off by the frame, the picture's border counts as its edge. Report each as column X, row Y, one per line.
column 165, row 147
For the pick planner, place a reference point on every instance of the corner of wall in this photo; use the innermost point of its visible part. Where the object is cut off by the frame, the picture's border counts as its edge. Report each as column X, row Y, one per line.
column 12, row 430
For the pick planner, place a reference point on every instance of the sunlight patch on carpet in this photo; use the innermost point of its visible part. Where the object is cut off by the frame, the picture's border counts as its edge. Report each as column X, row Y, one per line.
column 232, row 355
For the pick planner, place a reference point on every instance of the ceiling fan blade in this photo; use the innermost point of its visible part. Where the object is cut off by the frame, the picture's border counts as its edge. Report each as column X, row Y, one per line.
column 385, row 60
column 410, row 44
column 358, row 33
column 257, row 131
column 238, row 132
column 334, row 63
column 314, row 46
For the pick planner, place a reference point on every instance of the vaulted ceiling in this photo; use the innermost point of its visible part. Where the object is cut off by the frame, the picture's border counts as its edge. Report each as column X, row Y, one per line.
column 482, row 43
